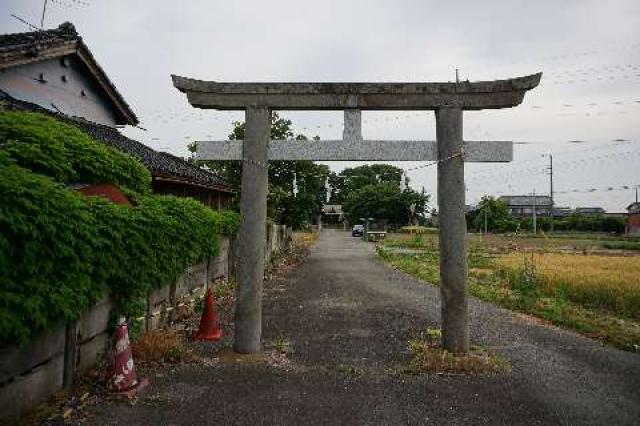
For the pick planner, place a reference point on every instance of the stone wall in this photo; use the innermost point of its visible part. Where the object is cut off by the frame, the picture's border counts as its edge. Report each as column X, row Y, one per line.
column 32, row 372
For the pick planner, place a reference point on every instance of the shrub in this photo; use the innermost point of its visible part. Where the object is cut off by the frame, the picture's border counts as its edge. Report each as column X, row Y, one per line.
column 597, row 223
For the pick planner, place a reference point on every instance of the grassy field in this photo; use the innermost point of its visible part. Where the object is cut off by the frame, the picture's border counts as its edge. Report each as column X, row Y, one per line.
column 573, row 281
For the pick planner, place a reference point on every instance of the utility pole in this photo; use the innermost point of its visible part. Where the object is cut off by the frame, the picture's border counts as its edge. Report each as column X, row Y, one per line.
column 485, row 220
column 44, row 11
column 534, row 213
column 551, row 192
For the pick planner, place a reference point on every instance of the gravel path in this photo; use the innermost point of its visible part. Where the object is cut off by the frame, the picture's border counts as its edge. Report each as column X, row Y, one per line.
column 348, row 317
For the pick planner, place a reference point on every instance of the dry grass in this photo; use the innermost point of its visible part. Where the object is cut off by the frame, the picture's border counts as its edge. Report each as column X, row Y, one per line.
column 159, row 346
column 429, row 357
column 553, row 278
column 304, row 240
column 608, row 282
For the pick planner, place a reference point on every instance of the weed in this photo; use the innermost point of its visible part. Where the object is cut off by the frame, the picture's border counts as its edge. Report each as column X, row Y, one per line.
column 429, row 357
column 418, row 240
column 198, row 306
column 349, row 371
column 282, row 344
column 434, row 333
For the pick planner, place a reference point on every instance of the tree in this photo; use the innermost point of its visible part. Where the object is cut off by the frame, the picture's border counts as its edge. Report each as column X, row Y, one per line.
column 497, row 214
column 282, row 205
column 384, row 201
column 352, row 179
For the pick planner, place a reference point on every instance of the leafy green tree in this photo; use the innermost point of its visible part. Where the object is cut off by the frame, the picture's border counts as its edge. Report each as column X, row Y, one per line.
column 353, row 179
column 498, row 215
column 385, row 201
column 282, row 205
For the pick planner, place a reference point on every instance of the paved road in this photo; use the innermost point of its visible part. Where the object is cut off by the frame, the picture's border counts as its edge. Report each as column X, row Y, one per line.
column 348, row 317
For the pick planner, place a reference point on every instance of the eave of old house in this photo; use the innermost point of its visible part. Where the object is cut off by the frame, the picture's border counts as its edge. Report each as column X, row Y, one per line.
column 25, row 48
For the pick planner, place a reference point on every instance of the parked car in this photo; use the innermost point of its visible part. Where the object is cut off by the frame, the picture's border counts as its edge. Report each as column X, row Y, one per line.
column 357, row 230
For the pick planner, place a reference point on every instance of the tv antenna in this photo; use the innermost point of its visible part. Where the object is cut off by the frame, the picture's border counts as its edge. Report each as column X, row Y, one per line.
column 29, row 24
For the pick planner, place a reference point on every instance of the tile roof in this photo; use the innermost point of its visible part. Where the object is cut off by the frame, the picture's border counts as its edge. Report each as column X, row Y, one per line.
column 526, row 200
column 23, row 48
column 160, row 164
column 36, row 41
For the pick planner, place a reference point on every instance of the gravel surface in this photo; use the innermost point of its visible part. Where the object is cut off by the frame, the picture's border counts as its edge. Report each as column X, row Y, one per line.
column 347, row 318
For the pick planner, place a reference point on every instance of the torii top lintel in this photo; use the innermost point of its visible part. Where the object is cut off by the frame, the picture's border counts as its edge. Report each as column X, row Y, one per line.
column 365, row 96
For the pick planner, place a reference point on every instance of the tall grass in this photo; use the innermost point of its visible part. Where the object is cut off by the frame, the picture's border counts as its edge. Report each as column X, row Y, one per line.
column 605, row 282
column 597, row 295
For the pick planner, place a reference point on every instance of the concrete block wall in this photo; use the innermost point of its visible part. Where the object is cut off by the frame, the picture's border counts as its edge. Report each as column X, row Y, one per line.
column 32, row 372
column 278, row 240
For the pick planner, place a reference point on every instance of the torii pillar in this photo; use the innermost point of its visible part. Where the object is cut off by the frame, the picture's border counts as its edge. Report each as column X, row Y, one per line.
column 448, row 100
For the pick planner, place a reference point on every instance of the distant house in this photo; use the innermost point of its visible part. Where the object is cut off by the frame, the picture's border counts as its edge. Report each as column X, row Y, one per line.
column 632, row 222
column 589, row 211
column 562, row 211
column 332, row 213
column 523, row 205
column 53, row 72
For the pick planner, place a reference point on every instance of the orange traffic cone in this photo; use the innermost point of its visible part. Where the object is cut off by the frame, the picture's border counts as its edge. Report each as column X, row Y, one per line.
column 122, row 372
column 209, row 328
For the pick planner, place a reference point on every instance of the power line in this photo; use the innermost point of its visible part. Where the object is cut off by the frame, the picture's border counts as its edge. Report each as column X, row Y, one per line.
column 31, row 26
column 584, row 190
column 575, row 55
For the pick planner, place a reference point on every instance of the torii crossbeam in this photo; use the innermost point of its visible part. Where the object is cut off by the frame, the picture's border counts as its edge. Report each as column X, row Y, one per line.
column 448, row 100
column 353, row 148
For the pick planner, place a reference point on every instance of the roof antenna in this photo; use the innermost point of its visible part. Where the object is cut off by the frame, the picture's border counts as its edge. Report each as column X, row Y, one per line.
column 44, row 11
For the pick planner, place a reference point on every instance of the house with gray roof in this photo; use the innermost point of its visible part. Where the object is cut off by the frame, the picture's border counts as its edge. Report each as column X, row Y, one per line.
column 524, row 205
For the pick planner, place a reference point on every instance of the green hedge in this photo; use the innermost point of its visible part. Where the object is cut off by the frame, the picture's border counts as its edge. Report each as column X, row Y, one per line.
column 597, row 223
column 574, row 223
column 60, row 251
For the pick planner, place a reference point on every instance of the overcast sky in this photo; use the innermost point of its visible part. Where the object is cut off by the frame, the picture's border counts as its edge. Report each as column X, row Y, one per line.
column 589, row 52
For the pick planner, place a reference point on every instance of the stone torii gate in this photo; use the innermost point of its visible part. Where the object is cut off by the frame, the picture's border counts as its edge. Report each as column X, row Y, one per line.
column 448, row 100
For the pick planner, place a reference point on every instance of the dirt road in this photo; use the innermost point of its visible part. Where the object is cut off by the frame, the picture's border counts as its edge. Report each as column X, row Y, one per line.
column 347, row 317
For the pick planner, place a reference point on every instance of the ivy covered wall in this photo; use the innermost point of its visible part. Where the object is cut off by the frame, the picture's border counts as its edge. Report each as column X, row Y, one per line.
column 61, row 251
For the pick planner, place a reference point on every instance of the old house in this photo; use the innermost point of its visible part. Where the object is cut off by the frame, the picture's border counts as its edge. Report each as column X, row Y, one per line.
column 53, row 72
column 524, row 205
column 632, row 222
column 589, row 211
column 332, row 213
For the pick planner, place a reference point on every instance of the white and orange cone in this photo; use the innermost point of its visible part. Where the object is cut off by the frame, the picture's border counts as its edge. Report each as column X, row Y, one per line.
column 122, row 372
